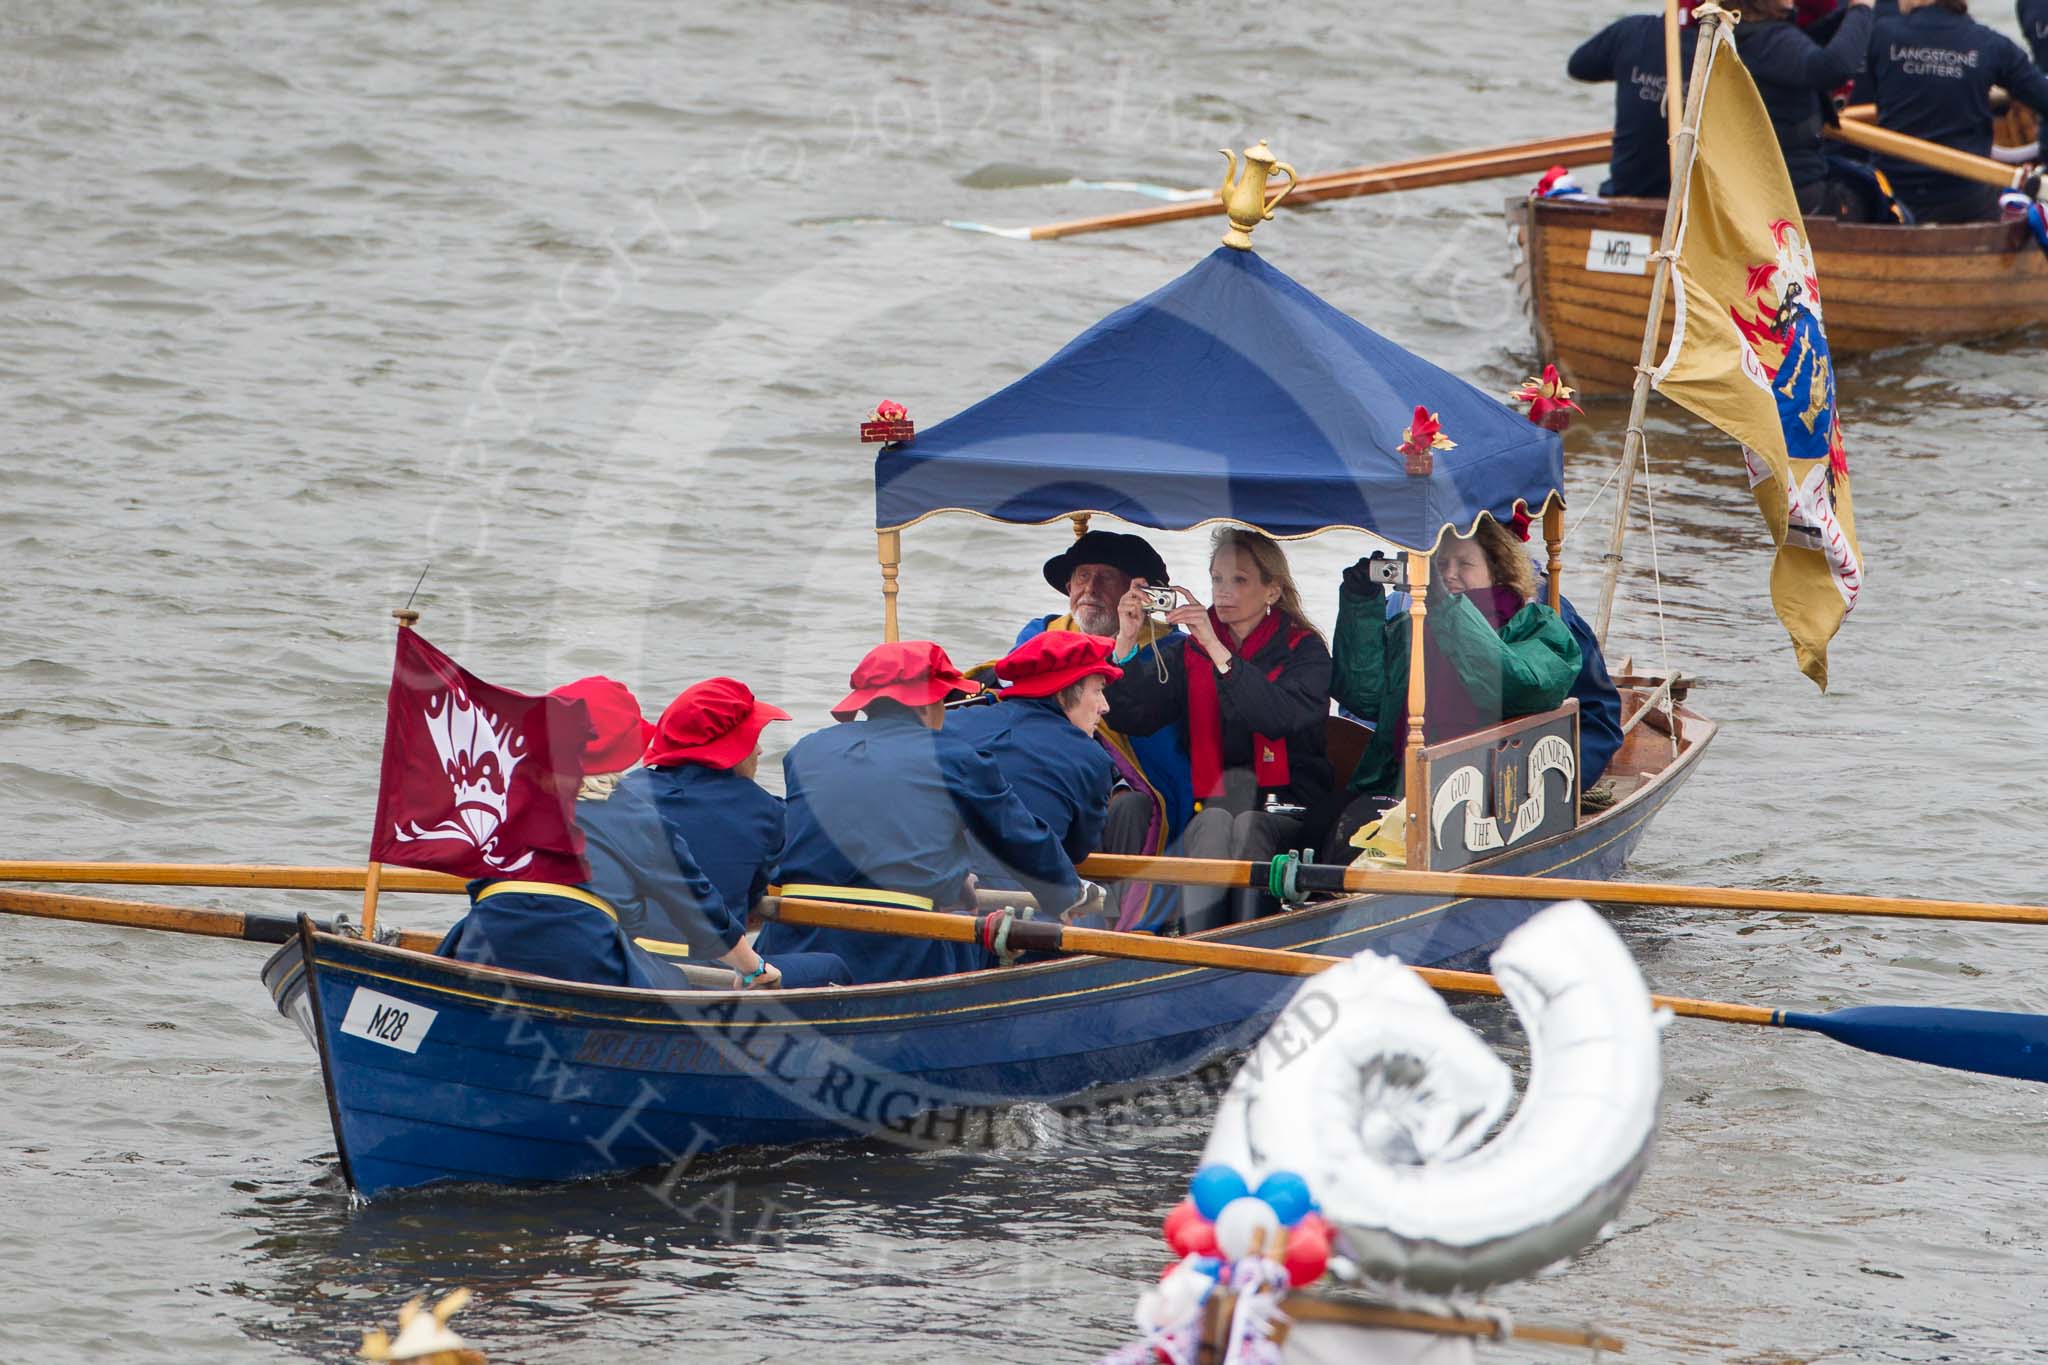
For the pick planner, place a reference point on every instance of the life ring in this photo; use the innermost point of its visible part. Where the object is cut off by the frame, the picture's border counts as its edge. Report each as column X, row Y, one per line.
column 1373, row 1091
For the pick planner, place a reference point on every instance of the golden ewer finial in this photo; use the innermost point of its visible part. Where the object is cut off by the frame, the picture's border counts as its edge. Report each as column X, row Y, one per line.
column 1244, row 192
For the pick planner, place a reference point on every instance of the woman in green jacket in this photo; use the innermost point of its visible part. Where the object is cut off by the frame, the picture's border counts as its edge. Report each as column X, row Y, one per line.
column 1492, row 652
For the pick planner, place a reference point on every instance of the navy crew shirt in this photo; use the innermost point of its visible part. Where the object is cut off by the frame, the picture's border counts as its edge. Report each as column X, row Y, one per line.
column 1630, row 52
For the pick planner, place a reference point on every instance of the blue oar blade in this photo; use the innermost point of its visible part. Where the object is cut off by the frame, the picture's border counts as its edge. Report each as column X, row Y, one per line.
column 1990, row 1042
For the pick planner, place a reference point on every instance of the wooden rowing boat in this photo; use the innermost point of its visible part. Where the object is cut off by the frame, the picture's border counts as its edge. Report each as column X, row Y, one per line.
column 437, row 1070
column 1583, row 272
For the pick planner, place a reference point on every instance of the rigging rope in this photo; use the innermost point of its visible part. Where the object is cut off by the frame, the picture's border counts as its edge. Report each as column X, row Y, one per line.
column 1657, row 579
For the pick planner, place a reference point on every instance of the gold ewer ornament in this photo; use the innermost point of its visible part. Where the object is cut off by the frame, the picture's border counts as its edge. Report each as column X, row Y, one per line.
column 424, row 1338
column 1244, row 192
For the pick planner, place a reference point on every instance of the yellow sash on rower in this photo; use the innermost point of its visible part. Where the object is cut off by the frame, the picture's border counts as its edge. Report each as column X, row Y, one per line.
column 856, row 895
column 574, row 893
column 577, row 893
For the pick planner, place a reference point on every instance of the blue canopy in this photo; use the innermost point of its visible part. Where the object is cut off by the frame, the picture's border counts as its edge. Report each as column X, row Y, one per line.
column 1232, row 394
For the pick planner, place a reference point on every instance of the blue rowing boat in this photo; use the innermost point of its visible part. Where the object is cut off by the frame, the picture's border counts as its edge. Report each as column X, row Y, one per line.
column 439, row 1070
column 1232, row 393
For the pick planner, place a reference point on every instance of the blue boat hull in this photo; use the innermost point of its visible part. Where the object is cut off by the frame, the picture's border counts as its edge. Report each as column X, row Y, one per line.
column 446, row 1071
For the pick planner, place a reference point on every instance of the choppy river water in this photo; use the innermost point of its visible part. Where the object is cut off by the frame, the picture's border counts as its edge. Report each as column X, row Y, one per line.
column 580, row 302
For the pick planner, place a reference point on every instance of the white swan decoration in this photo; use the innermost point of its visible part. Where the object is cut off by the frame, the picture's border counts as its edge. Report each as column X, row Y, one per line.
column 1370, row 1088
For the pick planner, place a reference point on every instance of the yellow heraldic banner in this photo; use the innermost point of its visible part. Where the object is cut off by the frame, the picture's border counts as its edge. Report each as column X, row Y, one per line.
column 1749, row 353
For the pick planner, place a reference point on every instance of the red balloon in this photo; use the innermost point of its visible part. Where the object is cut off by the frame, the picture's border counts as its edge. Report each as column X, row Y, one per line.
column 1308, row 1251
column 1178, row 1216
column 1195, row 1237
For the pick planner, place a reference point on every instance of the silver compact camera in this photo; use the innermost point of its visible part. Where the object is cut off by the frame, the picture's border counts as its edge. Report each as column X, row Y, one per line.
column 1390, row 573
column 1160, row 601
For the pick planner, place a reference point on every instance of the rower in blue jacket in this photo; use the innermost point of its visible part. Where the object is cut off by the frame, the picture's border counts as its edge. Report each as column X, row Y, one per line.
column 700, row 772
column 1796, row 77
column 1041, row 734
column 1630, row 52
column 2034, row 26
column 1931, row 70
column 880, row 811
column 645, row 903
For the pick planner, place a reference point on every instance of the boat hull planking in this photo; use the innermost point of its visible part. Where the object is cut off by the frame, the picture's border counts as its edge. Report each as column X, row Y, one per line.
column 1584, row 278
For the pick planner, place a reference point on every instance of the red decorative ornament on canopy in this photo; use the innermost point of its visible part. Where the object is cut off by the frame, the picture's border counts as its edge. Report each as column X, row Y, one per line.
column 888, row 422
column 1424, row 435
column 1549, row 399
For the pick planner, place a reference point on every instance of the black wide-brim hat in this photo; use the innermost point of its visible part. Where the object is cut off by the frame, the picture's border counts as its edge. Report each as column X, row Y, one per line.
column 1132, row 555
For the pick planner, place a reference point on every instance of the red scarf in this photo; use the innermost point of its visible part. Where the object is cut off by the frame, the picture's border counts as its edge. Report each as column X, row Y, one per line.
column 1205, row 716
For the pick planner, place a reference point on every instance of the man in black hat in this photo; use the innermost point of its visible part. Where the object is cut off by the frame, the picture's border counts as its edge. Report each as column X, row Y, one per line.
column 1155, row 793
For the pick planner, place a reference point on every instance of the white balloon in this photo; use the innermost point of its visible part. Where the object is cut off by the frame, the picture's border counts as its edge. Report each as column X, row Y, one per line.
column 1240, row 1218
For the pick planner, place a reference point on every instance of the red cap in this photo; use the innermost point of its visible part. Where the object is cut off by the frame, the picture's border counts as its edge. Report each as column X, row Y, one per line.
column 914, row 672
column 1053, row 659
column 619, row 732
column 715, row 723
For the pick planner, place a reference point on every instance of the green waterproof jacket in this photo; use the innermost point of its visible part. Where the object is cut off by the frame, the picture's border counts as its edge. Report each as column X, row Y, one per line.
column 1527, row 666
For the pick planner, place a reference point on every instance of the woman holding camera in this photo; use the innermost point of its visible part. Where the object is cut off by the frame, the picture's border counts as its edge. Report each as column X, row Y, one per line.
column 1250, row 683
column 1492, row 652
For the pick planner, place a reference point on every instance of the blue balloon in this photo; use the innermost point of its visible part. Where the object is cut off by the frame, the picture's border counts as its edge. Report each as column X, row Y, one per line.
column 1288, row 1194
column 1215, row 1186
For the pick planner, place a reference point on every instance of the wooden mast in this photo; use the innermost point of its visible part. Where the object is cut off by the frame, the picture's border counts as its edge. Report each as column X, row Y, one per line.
column 1673, row 63
column 1684, row 151
column 373, row 876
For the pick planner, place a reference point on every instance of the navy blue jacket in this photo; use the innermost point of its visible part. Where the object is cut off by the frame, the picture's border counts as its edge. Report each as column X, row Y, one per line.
column 1794, row 75
column 2034, row 25
column 657, row 892
column 886, row 803
column 1599, row 700
column 1932, row 71
column 1630, row 52
column 731, row 825
column 1062, row 776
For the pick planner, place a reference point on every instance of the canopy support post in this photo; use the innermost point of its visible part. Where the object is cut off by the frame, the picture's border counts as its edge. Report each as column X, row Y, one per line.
column 889, row 551
column 1417, row 832
column 1080, row 520
column 1553, row 541
column 1684, row 151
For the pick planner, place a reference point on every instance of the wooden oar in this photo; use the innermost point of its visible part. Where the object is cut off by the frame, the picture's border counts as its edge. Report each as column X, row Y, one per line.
column 1450, row 168
column 1984, row 1041
column 1112, row 867
column 1933, row 155
column 185, row 919
column 256, row 876
column 1400, row 881
column 179, row 919
column 1376, row 1317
